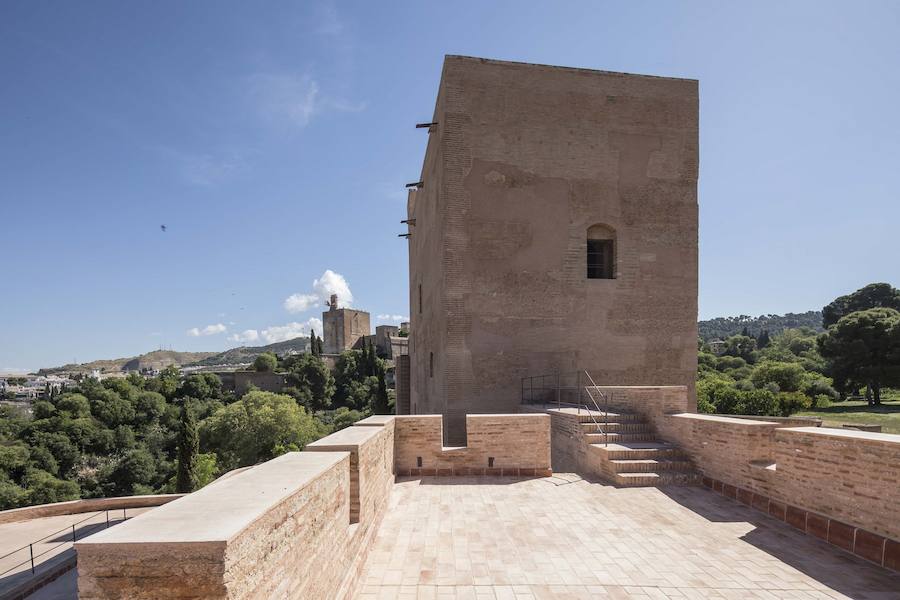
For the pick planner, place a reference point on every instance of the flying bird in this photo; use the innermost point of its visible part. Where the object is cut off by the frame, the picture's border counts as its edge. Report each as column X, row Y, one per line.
column 163, row 227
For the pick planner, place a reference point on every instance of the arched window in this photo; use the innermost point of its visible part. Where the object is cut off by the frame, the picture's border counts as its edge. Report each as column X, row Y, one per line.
column 601, row 252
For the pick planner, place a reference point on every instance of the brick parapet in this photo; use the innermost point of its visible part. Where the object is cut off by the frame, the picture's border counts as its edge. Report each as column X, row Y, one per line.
column 513, row 444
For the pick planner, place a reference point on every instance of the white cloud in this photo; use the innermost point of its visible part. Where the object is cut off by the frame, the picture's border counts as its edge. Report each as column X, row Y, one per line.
column 289, row 331
column 393, row 318
column 323, row 287
column 294, row 98
column 246, row 336
column 208, row 330
column 286, row 96
column 297, row 303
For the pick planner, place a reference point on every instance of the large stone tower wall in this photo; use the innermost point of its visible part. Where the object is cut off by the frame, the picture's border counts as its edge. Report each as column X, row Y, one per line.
column 525, row 159
column 343, row 328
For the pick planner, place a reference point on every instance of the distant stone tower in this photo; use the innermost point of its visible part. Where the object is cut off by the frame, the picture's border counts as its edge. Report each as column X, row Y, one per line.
column 343, row 328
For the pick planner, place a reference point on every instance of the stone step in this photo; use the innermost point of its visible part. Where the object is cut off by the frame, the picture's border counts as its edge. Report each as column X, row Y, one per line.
column 650, row 465
column 601, row 438
column 611, row 417
column 653, row 479
column 635, row 427
column 640, row 450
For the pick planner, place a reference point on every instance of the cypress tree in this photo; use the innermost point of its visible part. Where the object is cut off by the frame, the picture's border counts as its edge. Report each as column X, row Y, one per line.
column 380, row 406
column 320, row 346
column 313, row 346
column 188, row 449
column 372, row 361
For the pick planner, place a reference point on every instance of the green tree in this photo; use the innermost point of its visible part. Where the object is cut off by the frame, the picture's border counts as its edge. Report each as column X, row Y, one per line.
column 202, row 386
column 44, row 488
column 863, row 347
column 381, row 404
column 75, row 405
column 789, row 377
column 136, row 470
column 874, row 295
column 258, row 427
column 266, row 362
column 309, row 381
column 313, row 345
column 188, row 449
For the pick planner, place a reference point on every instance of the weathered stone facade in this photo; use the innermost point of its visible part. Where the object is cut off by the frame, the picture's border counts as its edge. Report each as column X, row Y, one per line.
column 343, row 328
column 524, row 164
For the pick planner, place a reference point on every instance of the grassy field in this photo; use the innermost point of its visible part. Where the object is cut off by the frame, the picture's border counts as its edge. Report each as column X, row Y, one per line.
column 856, row 412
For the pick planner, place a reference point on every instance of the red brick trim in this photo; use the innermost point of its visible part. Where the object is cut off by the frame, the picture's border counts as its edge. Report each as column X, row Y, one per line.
column 875, row 548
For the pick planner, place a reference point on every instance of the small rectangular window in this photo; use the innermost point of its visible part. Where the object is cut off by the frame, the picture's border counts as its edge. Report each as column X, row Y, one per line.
column 431, row 364
column 420, row 298
column 600, row 259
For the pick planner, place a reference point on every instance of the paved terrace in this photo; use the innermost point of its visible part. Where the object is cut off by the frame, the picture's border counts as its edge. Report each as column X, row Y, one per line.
column 563, row 537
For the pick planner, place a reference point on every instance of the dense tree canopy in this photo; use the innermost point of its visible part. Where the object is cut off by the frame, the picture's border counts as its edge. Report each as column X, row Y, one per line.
column 874, row 295
column 259, row 426
column 863, row 348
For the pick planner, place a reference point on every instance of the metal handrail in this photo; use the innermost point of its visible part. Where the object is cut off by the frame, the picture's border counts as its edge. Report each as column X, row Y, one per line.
column 605, row 410
column 556, row 387
column 66, row 529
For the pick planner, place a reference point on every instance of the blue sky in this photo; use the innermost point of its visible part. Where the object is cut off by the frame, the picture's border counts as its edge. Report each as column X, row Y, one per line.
column 273, row 140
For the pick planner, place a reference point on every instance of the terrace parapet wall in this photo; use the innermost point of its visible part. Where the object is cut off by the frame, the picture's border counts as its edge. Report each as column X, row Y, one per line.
column 837, row 484
column 300, row 525
column 519, row 445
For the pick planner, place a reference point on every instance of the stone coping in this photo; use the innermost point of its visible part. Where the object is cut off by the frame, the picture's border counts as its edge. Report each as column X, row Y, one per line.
column 218, row 513
column 725, row 419
column 639, row 387
column 378, row 420
column 854, row 434
column 349, row 436
column 72, row 507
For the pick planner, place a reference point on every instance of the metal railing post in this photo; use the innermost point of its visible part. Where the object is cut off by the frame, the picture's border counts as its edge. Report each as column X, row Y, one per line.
column 73, row 533
column 107, row 519
column 31, row 551
column 558, row 399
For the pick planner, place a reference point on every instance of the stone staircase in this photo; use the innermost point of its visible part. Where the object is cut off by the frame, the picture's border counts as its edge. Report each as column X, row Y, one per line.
column 629, row 453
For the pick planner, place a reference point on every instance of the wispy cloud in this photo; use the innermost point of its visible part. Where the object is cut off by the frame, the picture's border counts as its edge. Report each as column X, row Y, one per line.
column 322, row 289
column 244, row 337
column 294, row 98
column 392, row 318
column 289, row 331
column 207, row 169
column 208, row 330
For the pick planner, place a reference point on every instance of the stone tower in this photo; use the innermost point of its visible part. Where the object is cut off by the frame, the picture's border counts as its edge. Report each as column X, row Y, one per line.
column 555, row 229
column 343, row 328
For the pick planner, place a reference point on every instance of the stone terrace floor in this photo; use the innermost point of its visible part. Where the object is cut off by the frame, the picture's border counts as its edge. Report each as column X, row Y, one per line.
column 562, row 537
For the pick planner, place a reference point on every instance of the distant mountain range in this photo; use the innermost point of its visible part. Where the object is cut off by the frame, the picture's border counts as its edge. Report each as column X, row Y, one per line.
column 246, row 354
column 723, row 327
column 710, row 329
column 160, row 359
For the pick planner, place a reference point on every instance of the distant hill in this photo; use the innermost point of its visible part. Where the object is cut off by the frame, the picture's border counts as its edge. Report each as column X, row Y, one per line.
column 247, row 354
column 723, row 327
column 158, row 359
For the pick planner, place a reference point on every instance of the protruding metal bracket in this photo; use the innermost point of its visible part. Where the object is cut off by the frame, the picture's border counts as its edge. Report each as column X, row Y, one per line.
column 404, row 235
column 409, row 222
column 416, row 185
column 424, row 125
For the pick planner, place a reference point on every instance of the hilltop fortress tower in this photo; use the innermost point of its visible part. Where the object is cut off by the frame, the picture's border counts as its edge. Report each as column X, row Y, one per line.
column 554, row 229
column 343, row 328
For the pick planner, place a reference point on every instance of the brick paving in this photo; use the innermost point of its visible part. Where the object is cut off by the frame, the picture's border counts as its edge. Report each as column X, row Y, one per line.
column 561, row 537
